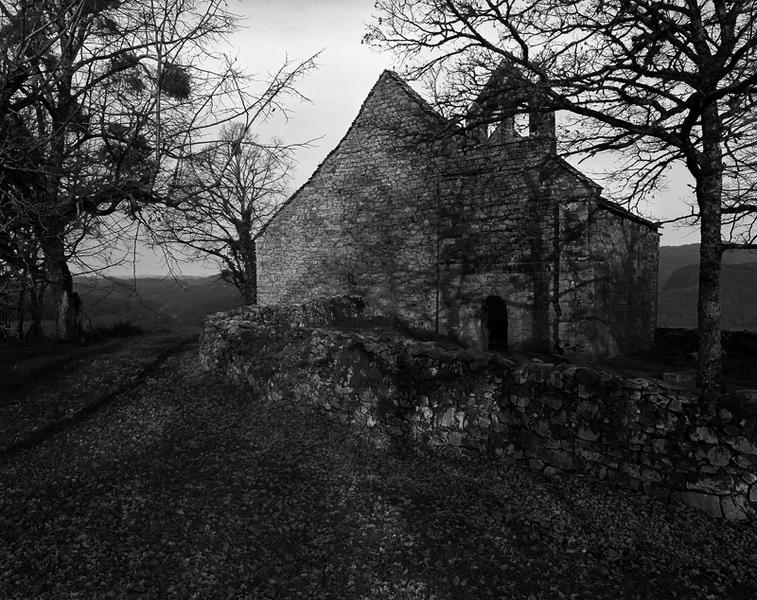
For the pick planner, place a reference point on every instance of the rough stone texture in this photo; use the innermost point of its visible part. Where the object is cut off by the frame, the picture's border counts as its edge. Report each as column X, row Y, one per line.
column 425, row 221
column 640, row 434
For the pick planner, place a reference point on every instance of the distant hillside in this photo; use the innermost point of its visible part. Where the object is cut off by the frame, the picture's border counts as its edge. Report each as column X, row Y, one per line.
column 153, row 303
column 679, row 281
column 675, row 257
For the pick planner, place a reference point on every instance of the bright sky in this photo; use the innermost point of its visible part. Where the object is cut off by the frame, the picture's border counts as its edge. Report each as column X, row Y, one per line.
column 274, row 30
column 297, row 29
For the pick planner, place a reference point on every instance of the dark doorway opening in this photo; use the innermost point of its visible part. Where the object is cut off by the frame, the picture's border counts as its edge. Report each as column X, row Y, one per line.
column 495, row 323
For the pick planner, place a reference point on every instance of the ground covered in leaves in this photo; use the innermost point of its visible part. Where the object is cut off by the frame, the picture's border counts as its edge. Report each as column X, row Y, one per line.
column 46, row 384
column 183, row 486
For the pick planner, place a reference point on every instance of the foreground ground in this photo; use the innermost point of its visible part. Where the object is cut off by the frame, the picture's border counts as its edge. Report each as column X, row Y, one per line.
column 182, row 486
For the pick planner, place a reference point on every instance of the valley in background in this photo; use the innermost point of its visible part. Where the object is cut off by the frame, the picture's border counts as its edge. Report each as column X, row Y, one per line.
column 163, row 303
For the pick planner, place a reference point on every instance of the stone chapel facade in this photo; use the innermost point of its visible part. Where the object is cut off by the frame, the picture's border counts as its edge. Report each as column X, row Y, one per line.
column 490, row 238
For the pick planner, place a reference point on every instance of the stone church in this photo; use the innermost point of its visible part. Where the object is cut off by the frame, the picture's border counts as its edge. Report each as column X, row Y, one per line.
column 483, row 234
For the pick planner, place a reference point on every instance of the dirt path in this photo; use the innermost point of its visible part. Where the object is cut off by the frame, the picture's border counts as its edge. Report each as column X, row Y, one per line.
column 47, row 387
column 187, row 487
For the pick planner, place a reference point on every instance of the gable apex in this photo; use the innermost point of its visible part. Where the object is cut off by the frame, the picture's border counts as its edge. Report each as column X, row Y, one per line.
column 390, row 83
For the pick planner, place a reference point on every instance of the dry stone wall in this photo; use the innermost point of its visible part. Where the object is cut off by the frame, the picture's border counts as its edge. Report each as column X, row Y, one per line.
column 635, row 433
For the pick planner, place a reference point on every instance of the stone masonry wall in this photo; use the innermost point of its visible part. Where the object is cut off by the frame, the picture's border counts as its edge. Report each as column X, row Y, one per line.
column 364, row 223
column 423, row 228
column 608, row 292
column 635, row 433
column 425, row 225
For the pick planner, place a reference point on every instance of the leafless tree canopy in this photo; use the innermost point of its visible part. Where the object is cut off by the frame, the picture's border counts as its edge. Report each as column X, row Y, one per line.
column 103, row 104
column 239, row 184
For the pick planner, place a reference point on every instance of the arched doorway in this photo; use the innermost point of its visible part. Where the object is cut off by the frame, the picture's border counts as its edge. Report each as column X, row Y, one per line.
column 494, row 321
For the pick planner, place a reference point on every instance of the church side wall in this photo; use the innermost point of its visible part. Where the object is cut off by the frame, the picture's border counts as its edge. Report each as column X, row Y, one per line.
column 625, row 254
column 608, row 282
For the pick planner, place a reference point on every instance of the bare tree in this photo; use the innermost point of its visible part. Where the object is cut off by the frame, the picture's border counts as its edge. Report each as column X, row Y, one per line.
column 662, row 82
column 102, row 103
column 241, row 182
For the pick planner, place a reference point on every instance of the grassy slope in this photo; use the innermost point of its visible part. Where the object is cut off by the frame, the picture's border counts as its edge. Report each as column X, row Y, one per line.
column 154, row 303
column 679, row 280
column 157, row 303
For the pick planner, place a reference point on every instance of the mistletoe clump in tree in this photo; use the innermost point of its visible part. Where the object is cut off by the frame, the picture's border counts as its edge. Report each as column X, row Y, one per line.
column 103, row 103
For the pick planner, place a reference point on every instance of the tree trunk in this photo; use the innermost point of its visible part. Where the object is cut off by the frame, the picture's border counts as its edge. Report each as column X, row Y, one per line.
column 709, row 191
column 250, row 292
column 20, row 314
column 36, row 295
column 247, row 259
column 710, row 253
column 66, row 303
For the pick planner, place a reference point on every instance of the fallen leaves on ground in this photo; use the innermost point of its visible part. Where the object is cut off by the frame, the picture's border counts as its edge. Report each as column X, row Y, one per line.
column 44, row 384
column 189, row 487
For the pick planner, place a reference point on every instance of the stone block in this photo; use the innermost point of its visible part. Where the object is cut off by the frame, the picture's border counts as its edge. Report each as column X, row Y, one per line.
column 521, row 401
column 657, row 490
column 589, row 455
column 721, row 484
column 542, row 429
column 704, row 434
column 448, row 418
column 743, row 445
column 708, row 503
column 556, row 380
column 734, row 509
column 638, row 438
column 565, row 461
column 660, row 446
column 553, row 402
column 650, row 475
column 588, row 409
column 719, row 456
column 731, row 431
column 588, row 434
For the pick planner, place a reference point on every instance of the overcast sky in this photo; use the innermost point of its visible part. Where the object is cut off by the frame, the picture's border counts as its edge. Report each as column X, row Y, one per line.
column 274, row 30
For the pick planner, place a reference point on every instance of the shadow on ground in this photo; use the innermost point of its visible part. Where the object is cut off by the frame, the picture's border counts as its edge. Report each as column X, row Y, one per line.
column 188, row 487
